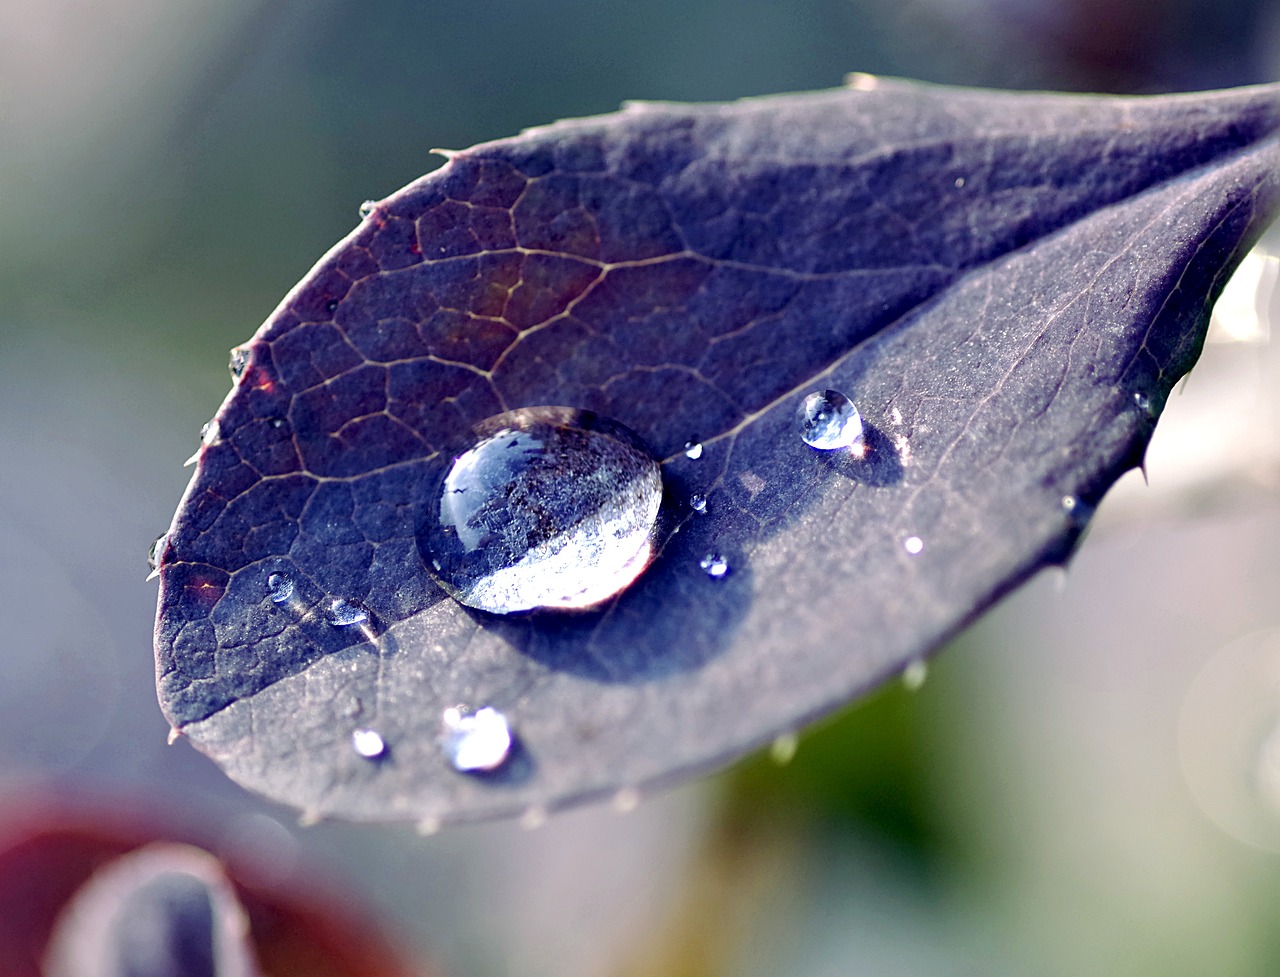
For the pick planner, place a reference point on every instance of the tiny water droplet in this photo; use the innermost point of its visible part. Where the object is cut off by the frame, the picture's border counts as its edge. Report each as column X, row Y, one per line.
column 154, row 551
column 626, row 800
column 367, row 208
column 693, row 449
column 783, row 748
column 239, row 361
column 534, row 817
column 552, row 507
column 829, row 420
column 210, row 433
column 476, row 741
column 331, row 305
column 368, row 743
column 914, row 674
column 913, row 544
column 715, row 565
column 959, row 182
column 698, row 503
column 279, row 587
column 277, row 423
column 1142, row 401
column 344, row 613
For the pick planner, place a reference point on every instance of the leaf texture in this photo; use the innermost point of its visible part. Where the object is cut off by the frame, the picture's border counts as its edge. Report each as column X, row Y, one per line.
column 1007, row 285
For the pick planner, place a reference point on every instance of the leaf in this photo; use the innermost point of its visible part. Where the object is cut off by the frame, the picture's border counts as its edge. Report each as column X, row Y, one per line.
column 162, row 911
column 54, row 849
column 1007, row 285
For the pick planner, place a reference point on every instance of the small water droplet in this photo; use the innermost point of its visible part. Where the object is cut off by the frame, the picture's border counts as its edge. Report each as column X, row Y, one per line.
column 914, row 674
column 279, row 587
column 331, row 306
column 277, row 423
column 959, row 182
column 626, row 800
column 154, row 551
column 476, row 741
column 367, row 208
column 534, row 817
column 239, row 362
column 344, row 613
column 829, row 420
column 368, row 743
column 783, row 748
column 210, row 433
column 552, row 507
column 698, row 503
column 693, row 449
column 715, row 565
column 913, row 544
column 1142, row 402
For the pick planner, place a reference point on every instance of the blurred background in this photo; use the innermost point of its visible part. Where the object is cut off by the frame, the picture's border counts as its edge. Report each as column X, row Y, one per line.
column 1089, row 780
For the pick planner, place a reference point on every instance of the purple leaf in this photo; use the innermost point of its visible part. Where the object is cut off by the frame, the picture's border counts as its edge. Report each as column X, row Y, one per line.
column 1006, row 285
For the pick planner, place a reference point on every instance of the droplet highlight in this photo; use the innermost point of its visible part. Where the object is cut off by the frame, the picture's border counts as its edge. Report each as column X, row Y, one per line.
column 210, row 433
column 344, row 613
column 693, row 449
column 475, row 742
column 913, row 545
column 829, row 420
column 279, row 587
column 714, row 565
column 552, row 507
column 368, row 743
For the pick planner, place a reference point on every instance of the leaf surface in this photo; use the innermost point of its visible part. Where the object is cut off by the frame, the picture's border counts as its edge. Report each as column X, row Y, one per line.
column 1007, row 285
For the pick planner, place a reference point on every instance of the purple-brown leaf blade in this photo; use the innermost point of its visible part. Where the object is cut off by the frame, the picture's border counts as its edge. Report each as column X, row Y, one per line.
column 1007, row 286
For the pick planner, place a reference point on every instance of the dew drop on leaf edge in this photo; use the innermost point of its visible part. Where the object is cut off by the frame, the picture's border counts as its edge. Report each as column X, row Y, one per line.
column 475, row 741
column 549, row 507
column 829, row 420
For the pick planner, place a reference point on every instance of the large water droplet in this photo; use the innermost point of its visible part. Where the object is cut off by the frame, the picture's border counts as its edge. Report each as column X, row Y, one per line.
column 279, row 587
column 344, row 613
column 475, row 741
column 552, row 507
column 829, row 420
column 693, row 449
column 368, row 743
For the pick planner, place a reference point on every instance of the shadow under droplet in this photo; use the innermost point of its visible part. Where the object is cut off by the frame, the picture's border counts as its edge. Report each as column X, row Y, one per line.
column 518, row 768
column 879, row 465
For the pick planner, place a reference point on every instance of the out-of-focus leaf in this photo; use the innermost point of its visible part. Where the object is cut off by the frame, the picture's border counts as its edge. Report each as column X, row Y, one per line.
column 1007, row 285
column 50, row 849
column 162, row 911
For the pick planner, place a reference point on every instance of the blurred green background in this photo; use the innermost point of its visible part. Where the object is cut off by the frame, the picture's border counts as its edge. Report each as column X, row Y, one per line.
column 1068, row 794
